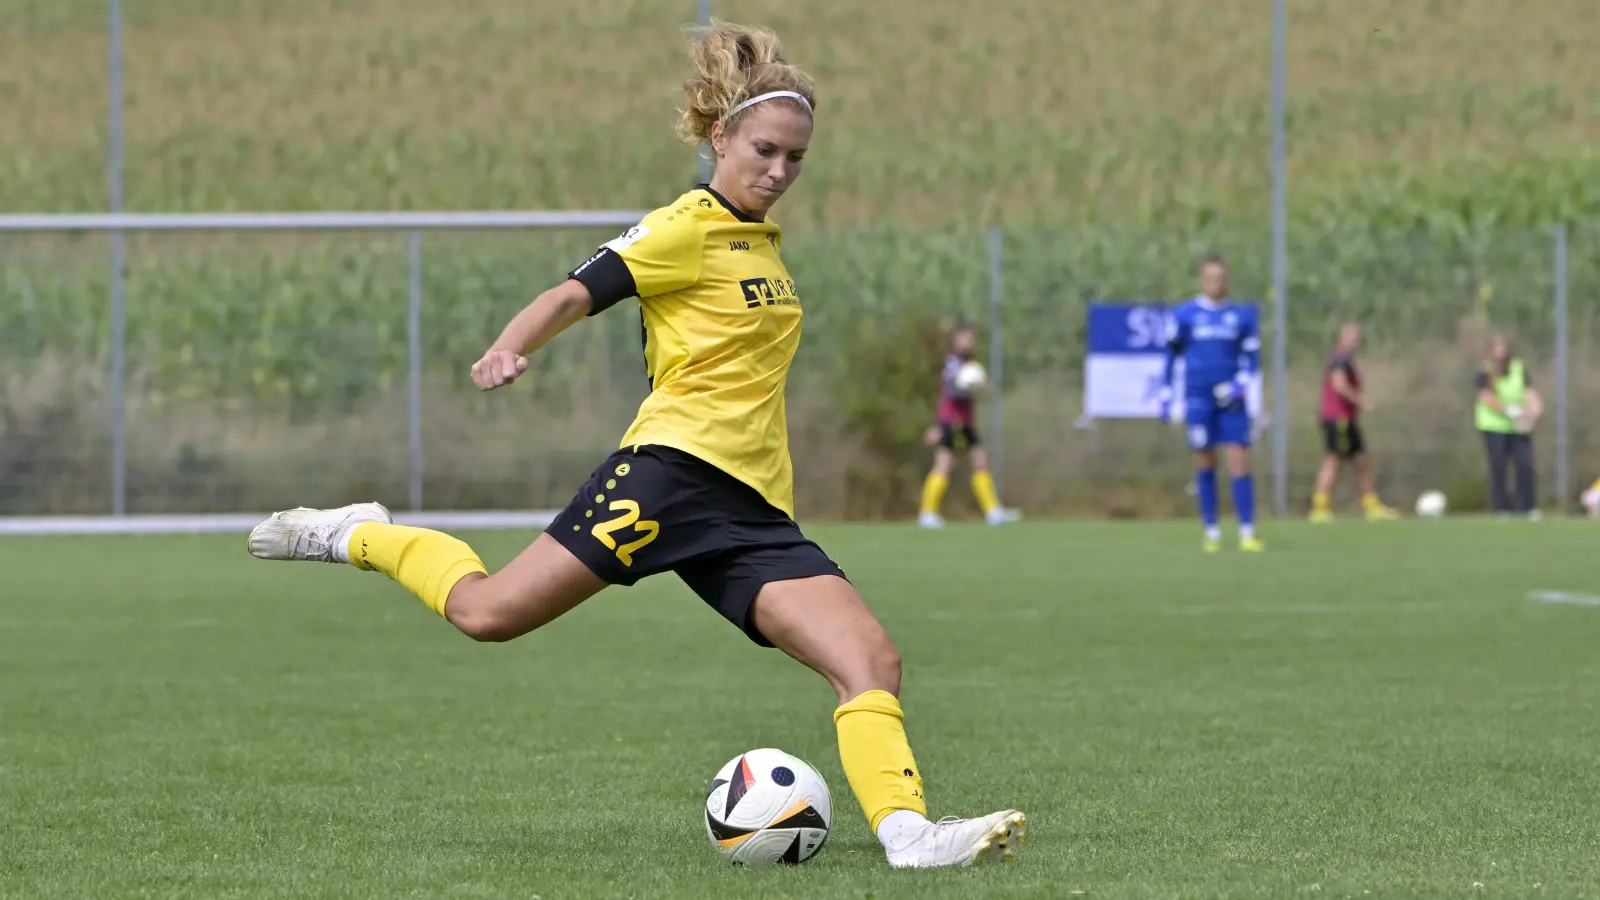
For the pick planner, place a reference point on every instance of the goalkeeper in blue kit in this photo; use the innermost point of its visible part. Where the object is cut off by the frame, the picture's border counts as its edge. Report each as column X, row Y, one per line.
column 1220, row 344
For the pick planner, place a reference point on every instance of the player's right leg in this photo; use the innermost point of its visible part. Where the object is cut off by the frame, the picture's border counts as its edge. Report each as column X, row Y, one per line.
column 1322, row 493
column 606, row 535
column 938, row 480
column 1327, row 473
column 823, row 622
column 1201, row 429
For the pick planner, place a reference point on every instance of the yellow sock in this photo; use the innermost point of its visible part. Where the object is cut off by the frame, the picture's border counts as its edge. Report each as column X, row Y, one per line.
column 426, row 563
column 1370, row 502
column 876, row 756
column 933, row 492
column 983, row 488
column 1319, row 502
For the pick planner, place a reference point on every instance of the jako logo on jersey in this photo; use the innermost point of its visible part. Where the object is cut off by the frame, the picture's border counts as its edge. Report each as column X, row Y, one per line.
column 771, row 291
column 738, row 245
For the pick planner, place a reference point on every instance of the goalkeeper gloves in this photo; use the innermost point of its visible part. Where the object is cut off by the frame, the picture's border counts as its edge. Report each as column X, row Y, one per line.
column 1164, row 396
column 1230, row 392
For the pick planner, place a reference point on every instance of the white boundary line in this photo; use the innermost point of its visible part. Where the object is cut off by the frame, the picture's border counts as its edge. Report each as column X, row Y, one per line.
column 1564, row 597
column 229, row 523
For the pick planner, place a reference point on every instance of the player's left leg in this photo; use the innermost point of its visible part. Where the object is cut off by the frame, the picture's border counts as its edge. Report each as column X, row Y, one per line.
column 1371, row 505
column 1522, row 461
column 823, row 622
column 983, row 484
column 1244, row 496
column 1233, row 430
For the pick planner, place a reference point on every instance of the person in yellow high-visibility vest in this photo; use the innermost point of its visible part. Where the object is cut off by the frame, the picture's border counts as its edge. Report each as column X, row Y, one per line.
column 1508, row 408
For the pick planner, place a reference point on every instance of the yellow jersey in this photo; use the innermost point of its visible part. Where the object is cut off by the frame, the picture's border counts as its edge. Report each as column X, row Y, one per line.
column 721, row 326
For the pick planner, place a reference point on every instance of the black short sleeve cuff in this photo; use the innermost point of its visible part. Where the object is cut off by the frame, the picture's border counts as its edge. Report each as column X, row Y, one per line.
column 606, row 276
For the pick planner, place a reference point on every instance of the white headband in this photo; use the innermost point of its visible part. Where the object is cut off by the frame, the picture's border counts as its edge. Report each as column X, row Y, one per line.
column 772, row 96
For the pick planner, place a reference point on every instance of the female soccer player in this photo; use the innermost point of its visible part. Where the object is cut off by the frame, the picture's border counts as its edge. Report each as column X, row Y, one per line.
column 1344, row 399
column 1506, row 413
column 703, row 483
column 957, row 423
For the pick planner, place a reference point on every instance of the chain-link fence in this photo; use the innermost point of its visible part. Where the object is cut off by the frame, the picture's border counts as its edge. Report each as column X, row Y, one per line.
column 263, row 369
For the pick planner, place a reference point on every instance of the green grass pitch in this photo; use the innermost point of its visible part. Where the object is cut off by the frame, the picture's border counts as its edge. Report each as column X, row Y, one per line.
column 1362, row 709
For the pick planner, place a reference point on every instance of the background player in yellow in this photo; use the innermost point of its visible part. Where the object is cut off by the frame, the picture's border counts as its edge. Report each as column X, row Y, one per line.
column 703, row 484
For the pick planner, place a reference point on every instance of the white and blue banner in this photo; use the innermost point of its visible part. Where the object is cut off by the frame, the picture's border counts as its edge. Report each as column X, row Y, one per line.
column 1122, row 369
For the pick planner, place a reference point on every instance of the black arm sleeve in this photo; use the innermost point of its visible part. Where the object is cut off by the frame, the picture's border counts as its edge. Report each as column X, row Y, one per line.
column 606, row 276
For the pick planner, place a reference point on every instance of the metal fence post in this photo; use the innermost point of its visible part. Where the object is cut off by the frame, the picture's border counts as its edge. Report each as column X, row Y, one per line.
column 1280, row 265
column 1563, row 439
column 414, row 366
column 997, row 398
column 705, row 163
column 117, row 250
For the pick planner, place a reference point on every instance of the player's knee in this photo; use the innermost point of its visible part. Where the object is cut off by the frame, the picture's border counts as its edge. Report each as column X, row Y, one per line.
column 877, row 668
column 472, row 610
column 480, row 625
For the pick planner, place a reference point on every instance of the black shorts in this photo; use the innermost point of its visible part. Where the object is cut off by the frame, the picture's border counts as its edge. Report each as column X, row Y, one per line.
column 949, row 432
column 653, row 509
column 1342, row 438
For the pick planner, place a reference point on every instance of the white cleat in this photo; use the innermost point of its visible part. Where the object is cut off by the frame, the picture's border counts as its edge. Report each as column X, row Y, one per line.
column 1004, row 516
column 314, row 535
column 930, row 520
column 963, row 842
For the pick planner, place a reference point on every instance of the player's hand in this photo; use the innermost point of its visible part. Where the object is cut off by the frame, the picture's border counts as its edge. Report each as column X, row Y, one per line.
column 931, row 436
column 1368, row 406
column 1164, row 397
column 498, row 368
column 1229, row 393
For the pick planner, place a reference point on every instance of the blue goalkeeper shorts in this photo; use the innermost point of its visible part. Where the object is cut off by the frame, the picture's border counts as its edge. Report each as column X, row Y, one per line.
column 1208, row 424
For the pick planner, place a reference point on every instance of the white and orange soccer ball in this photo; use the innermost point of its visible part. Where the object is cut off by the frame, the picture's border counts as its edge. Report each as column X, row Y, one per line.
column 767, row 806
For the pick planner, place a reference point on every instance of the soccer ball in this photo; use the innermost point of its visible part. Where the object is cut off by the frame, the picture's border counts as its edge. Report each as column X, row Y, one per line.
column 1591, row 500
column 767, row 806
column 1432, row 504
column 971, row 376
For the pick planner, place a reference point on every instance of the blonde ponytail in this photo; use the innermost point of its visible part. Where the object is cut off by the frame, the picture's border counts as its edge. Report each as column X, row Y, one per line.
column 731, row 64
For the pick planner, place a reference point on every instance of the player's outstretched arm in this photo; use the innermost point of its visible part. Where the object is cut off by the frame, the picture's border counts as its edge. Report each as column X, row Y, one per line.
column 551, row 313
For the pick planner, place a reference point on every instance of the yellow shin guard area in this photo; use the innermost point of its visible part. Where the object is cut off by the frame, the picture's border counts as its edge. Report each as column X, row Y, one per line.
column 983, row 489
column 877, row 757
column 933, row 492
column 426, row 563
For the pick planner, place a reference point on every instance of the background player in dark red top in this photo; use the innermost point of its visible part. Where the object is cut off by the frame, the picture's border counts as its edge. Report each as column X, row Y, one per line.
column 1343, row 402
column 957, row 428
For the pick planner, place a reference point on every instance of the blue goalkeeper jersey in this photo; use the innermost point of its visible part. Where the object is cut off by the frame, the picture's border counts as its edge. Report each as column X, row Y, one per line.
column 1219, row 341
